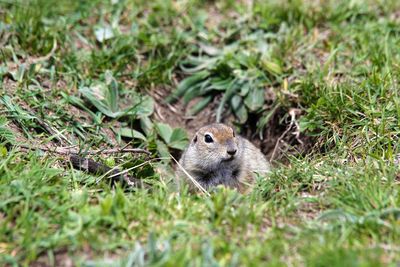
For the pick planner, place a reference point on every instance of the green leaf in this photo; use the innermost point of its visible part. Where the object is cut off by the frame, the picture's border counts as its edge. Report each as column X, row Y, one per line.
column 131, row 133
column 147, row 125
column 210, row 50
column 106, row 205
column 25, row 119
column 199, row 106
column 192, row 93
column 227, row 96
column 179, row 139
column 3, row 151
column 5, row 133
column 110, row 161
column 245, row 88
column 143, row 107
column 162, row 149
column 239, row 108
column 175, row 138
column 255, row 99
column 105, row 98
column 186, row 84
column 3, row 71
column 112, row 94
column 180, row 145
column 20, row 73
column 178, row 134
column 197, row 64
column 221, row 84
column 265, row 119
column 272, row 67
column 100, row 97
column 165, row 131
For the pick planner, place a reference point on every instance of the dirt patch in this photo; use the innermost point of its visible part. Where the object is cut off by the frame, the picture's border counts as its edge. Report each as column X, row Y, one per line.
column 175, row 114
column 9, row 87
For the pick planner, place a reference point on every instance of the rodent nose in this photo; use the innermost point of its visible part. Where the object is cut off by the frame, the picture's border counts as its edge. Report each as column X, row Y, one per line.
column 232, row 152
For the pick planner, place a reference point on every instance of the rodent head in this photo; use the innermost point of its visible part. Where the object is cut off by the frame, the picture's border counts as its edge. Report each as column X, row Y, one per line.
column 213, row 145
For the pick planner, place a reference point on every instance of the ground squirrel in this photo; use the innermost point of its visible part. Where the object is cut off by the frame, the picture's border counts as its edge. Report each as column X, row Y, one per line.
column 216, row 156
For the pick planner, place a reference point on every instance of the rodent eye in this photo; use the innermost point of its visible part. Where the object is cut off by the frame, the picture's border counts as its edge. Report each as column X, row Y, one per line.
column 208, row 138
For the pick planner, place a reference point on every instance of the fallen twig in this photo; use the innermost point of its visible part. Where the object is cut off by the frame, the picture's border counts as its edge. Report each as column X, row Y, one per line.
column 91, row 166
column 69, row 150
column 117, row 150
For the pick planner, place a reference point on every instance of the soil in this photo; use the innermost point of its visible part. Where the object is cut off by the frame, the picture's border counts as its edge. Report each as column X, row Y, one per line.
column 175, row 114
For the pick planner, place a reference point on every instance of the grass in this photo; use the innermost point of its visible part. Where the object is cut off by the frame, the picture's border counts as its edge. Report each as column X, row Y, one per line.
column 86, row 74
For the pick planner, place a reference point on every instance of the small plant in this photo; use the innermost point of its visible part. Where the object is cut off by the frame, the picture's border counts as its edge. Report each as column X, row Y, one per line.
column 241, row 72
column 175, row 138
column 6, row 135
column 105, row 97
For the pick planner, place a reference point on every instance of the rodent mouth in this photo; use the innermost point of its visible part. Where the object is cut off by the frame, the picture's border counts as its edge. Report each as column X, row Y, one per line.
column 229, row 159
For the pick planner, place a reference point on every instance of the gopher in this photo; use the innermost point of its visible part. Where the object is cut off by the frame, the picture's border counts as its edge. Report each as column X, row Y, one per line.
column 217, row 156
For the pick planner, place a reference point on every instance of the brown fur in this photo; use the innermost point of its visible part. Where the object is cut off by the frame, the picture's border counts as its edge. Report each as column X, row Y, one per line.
column 216, row 163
